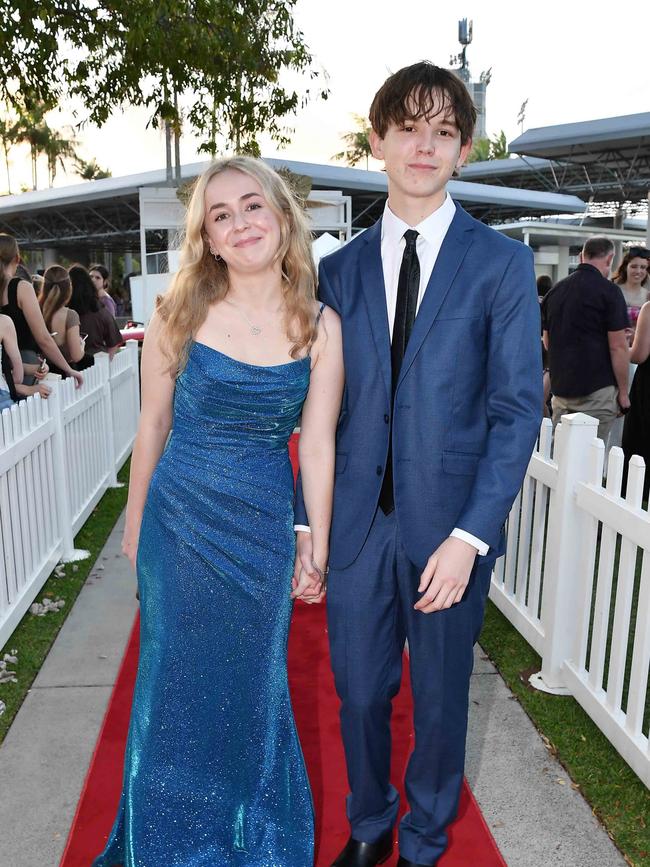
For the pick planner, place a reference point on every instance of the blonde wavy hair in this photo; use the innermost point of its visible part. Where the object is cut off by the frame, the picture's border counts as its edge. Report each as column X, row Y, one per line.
column 201, row 280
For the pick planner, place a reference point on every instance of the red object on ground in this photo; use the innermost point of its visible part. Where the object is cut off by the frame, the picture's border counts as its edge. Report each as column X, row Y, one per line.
column 316, row 708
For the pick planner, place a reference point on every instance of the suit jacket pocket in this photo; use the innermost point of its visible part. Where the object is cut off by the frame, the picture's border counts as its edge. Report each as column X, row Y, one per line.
column 459, row 463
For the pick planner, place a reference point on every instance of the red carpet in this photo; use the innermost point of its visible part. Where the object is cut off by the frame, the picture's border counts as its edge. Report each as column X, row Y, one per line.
column 316, row 710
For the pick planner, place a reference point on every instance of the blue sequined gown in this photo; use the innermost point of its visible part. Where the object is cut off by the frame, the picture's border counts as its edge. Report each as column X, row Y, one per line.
column 214, row 772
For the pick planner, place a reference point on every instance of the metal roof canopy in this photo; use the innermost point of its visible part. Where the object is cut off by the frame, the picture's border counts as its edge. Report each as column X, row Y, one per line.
column 585, row 140
column 104, row 214
column 613, row 152
column 535, row 173
column 565, row 234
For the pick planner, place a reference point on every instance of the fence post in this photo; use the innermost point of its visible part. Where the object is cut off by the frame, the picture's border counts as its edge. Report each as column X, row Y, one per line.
column 61, row 474
column 132, row 348
column 102, row 362
column 561, row 600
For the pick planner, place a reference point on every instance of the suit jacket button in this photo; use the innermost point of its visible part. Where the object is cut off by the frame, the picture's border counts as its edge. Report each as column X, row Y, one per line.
column 379, row 471
column 386, row 418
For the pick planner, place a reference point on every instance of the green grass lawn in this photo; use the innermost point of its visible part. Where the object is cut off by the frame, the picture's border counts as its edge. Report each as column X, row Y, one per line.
column 34, row 636
column 618, row 797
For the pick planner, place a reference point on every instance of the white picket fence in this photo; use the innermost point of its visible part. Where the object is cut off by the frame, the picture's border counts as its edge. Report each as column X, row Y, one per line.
column 57, row 457
column 575, row 581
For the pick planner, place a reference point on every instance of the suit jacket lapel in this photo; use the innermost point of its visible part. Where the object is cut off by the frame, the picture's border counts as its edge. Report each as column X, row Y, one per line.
column 372, row 282
column 452, row 252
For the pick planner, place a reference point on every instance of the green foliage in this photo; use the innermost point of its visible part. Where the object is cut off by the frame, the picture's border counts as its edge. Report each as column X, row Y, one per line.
column 57, row 149
column 228, row 54
column 489, row 149
column 8, row 139
column 25, row 122
column 357, row 143
column 31, row 128
column 90, row 170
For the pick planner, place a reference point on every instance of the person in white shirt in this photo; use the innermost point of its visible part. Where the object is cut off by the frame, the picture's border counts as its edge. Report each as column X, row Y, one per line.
column 441, row 409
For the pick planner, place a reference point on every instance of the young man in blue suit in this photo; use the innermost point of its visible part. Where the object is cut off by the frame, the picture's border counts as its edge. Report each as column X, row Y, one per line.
column 440, row 413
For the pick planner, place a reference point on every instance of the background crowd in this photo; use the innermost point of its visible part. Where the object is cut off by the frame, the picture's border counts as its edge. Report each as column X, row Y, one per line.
column 51, row 325
column 596, row 335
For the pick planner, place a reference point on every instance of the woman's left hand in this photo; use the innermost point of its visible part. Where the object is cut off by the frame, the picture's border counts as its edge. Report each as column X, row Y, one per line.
column 309, row 586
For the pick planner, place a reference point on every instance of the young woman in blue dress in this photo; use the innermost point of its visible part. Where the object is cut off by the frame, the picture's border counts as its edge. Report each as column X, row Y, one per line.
column 237, row 350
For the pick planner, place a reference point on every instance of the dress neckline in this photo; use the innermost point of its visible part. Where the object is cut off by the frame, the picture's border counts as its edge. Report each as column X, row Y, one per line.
column 248, row 364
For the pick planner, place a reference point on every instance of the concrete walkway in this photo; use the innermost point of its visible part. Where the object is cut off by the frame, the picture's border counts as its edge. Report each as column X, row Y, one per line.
column 537, row 818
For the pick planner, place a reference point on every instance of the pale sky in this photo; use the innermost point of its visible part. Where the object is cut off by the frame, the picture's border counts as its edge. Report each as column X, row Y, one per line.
column 570, row 60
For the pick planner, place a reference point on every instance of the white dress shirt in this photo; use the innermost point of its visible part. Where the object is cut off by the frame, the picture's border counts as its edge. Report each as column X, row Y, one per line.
column 431, row 233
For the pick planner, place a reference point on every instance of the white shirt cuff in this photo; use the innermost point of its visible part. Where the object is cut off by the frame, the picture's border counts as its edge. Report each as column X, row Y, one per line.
column 481, row 547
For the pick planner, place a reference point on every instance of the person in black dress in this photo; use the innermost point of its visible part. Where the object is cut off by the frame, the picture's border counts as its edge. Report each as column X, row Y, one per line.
column 18, row 301
column 636, row 430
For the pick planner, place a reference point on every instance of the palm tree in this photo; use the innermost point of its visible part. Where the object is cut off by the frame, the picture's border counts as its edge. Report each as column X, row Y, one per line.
column 480, row 151
column 8, row 139
column 499, row 150
column 90, row 170
column 57, row 149
column 32, row 129
column 358, row 143
column 489, row 149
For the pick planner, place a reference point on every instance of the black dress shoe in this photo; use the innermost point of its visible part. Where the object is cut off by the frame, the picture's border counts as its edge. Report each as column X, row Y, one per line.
column 358, row 854
column 402, row 862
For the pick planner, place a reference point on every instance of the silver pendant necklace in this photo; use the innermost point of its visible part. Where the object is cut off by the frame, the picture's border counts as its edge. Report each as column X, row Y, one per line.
column 255, row 329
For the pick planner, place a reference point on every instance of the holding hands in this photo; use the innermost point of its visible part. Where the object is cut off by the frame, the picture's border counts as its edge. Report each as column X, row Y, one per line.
column 309, row 580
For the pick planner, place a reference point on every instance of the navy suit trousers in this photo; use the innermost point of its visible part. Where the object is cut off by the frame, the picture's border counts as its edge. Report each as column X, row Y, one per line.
column 370, row 615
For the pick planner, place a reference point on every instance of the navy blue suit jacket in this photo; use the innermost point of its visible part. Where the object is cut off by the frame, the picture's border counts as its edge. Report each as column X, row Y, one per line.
column 468, row 400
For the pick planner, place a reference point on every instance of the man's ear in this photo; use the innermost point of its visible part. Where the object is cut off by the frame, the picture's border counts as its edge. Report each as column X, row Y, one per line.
column 376, row 145
column 464, row 152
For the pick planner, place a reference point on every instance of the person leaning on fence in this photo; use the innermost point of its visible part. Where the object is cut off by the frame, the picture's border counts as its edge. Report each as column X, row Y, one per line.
column 584, row 320
column 18, row 301
column 10, row 362
column 100, row 328
column 12, row 369
column 61, row 321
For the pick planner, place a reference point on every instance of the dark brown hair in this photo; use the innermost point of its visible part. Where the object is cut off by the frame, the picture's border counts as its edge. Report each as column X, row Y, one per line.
column 423, row 90
column 597, row 248
column 632, row 253
column 544, row 284
column 102, row 270
column 84, row 294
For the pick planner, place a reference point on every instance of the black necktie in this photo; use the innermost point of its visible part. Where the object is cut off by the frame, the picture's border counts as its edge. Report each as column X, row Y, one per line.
column 408, row 287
